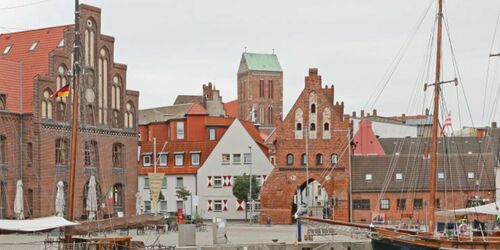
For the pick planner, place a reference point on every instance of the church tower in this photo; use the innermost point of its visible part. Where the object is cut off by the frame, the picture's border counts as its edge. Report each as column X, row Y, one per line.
column 260, row 89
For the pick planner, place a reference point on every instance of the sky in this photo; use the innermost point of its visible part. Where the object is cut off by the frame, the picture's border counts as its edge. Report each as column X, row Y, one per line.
column 173, row 47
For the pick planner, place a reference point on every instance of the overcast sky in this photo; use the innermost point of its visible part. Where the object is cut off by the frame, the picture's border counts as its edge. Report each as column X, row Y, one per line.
column 173, row 47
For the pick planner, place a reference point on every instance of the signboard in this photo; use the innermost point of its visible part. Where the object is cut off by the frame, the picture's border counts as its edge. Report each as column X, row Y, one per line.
column 155, row 181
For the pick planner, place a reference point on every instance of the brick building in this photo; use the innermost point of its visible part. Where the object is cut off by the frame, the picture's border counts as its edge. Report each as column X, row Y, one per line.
column 35, row 128
column 260, row 89
column 316, row 122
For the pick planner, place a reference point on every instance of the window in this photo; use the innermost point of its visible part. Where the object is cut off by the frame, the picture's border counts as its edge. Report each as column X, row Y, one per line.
column 361, row 204
column 163, row 159
column 146, row 183
column 368, row 177
column 3, row 102
column 195, row 159
column 3, row 145
column 33, row 46
column 7, row 49
column 147, row 206
column 319, row 159
column 385, row 204
column 91, row 158
column 129, row 115
column 211, row 134
column 146, row 159
column 180, row 182
column 164, row 183
column 401, row 204
column 440, row 176
column 334, row 159
column 270, row 115
column 163, row 206
column 438, row 203
column 118, row 195
column 313, row 127
column 217, row 181
column 116, row 93
column 271, row 88
column 303, row 159
column 313, row 108
column 29, row 152
column 247, row 158
column 179, row 205
column 237, row 159
column 60, row 110
column 418, row 203
column 217, row 206
column 102, row 69
column 62, row 149
column 326, row 126
column 289, row 159
column 46, row 105
column 179, row 159
column 180, row 130
column 261, row 88
column 470, row 175
column 117, row 155
column 299, row 126
column 399, row 176
column 30, row 202
column 226, row 159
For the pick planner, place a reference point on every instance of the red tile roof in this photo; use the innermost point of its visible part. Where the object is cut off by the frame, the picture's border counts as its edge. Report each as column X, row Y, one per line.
column 254, row 133
column 34, row 62
column 231, row 108
column 10, row 84
column 197, row 109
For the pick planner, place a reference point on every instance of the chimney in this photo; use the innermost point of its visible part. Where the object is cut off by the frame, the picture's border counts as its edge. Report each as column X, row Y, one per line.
column 362, row 113
column 494, row 125
column 374, row 112
column 354, row 114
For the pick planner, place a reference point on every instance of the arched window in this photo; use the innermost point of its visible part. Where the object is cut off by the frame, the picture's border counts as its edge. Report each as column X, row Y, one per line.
column 129, row 115
column 313, row 127
column 118, row 195
column 102, row 69
column 46, row 104
column 117, row 155
column 61, row 110
column 116, row 93
column 270, row 115
column 326, row 126
column 319, row 159
column 299, row 126
column 89, row 39
column 313, row 108
column 62, row 149
column 89, row 114
column 334, row 159
column 303, row 159
column 3, row 150
column 289, row 159
column 61, row 81
column 91, row 158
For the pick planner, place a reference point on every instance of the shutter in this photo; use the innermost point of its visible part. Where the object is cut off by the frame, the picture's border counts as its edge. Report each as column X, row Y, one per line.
column 209, row 205
column 224, row 205
column 209, row 181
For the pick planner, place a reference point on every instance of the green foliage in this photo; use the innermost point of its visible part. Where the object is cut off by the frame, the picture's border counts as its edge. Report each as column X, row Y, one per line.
column 183, row 193
column 241, row 188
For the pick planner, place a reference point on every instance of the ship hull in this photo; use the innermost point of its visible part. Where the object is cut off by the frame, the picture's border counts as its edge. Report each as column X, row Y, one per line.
column 386, row 244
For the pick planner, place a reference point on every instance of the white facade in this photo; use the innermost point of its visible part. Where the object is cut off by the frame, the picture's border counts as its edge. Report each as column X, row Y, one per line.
column 227, row 161
column 388, row 130
column 170, row 203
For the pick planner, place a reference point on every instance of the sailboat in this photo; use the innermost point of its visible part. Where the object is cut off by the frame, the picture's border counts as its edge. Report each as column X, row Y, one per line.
column 396, row 238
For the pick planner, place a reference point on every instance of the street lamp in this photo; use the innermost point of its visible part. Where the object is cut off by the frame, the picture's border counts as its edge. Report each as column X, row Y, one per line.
column 250, row 192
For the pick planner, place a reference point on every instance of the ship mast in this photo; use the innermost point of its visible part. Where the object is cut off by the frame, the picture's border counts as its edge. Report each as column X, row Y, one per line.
column 74, row 124
column 435, row 121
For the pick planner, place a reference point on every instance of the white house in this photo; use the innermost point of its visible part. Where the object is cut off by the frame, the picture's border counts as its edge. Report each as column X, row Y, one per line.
column 238, row 152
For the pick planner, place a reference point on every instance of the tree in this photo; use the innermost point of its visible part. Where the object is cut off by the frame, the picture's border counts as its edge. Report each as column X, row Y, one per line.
column 241, row 189
column 183, row 194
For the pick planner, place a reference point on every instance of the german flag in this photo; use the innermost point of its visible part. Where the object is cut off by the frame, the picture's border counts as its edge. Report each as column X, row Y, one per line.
column 62, row 92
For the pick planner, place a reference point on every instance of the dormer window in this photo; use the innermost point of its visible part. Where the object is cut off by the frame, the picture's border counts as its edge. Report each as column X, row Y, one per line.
column 33, row 46
column 7, row 49
column 61, row 43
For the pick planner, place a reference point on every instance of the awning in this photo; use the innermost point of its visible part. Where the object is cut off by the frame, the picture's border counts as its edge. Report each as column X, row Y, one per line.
column 491, row 209
column 33, row 225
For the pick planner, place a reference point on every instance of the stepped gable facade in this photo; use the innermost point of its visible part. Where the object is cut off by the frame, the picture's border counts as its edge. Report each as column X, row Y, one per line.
column 315, row 119
column 35, row 128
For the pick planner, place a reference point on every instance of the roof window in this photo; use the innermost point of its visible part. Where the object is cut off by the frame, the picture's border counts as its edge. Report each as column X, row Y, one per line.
column 33, row 46
column 7, row 49
column 61, row 43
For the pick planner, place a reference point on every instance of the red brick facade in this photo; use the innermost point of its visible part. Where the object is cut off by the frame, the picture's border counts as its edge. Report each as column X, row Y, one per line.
column 107, row 142
column 315, row 112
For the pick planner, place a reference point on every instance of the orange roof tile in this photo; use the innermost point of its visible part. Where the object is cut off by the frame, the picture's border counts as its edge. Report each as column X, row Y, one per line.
column 231, row 108
column 10, row 84
column 254, row 133
column 34, row 62
column 197, row 109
